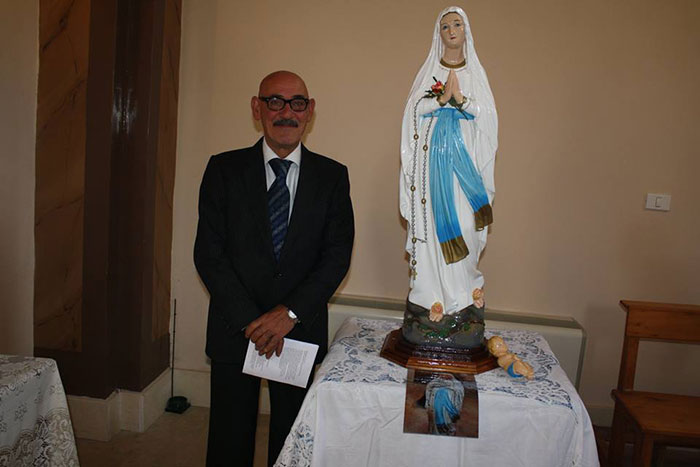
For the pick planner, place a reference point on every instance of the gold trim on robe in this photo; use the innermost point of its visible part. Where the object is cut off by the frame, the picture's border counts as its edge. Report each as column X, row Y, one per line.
column 483, row 217
column 454, row 250
column 454, row 66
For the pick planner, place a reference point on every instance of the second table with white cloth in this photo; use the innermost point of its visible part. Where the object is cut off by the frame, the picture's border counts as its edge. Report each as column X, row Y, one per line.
column 35, row 425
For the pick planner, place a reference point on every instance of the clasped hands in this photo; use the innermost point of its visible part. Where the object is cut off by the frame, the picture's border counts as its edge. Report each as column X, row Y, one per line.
column 452, row 90
column 268, row 331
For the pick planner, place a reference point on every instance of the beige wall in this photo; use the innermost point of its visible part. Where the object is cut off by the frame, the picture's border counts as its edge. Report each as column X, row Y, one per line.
column 597, row 100
column 19, row 36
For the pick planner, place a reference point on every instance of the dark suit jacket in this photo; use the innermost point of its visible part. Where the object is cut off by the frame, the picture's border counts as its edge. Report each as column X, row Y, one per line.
column 233, row 250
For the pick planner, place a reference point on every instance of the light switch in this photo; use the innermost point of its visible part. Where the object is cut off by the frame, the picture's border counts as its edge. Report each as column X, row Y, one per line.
column 658, row 202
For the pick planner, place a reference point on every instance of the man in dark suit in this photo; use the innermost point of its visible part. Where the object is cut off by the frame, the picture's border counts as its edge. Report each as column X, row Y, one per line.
column 274, row 241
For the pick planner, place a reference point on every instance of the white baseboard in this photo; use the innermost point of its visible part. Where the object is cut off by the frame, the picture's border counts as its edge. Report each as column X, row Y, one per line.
column 100, row 419
column 95, row 418
column 140, row 409
column 194, row 385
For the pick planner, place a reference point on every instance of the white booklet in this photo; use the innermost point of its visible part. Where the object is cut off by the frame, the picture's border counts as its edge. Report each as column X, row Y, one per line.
column 293, row 366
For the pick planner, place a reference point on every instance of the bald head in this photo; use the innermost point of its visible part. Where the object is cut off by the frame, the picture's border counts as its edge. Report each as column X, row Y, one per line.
column 286, row 78
column 283, row 128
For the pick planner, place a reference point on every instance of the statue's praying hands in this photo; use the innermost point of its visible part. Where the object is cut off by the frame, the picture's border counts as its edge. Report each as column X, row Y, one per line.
column 452, row 90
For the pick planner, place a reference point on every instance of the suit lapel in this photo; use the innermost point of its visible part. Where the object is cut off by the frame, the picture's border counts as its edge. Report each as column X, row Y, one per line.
column 307, row 187
column 256, row 188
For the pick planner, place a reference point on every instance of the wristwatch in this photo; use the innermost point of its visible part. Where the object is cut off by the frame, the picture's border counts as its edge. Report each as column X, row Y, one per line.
column 292, row 316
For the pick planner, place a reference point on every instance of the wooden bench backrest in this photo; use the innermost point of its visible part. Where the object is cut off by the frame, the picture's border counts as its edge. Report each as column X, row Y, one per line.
column 659, row 321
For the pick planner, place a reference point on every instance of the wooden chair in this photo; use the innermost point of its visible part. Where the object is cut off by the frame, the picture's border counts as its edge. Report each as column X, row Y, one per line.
column 654, row 417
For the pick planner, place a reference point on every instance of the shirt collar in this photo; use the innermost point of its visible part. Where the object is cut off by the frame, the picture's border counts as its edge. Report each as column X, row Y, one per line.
column 269, row 154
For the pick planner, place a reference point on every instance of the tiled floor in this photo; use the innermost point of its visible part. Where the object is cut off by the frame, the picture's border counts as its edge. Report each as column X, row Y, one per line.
column 172, row 441
column 181, row 441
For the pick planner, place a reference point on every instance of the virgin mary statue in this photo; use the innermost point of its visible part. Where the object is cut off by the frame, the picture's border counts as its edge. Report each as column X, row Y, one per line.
column 448, row 145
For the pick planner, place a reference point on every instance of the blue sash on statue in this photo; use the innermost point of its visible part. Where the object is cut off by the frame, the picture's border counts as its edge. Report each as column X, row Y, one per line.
column 448, row 156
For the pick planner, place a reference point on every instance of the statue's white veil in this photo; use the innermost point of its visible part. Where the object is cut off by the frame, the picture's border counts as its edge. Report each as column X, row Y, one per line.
column 486, row 141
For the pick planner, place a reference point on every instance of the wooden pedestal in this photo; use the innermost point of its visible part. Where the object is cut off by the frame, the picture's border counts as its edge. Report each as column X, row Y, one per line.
column 430, row 358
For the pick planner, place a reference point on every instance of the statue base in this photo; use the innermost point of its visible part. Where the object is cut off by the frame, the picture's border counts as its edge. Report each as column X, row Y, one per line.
column 462, row 330
column 433, row 358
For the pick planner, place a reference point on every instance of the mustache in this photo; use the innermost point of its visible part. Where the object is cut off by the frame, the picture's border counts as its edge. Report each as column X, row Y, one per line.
column 286, row 122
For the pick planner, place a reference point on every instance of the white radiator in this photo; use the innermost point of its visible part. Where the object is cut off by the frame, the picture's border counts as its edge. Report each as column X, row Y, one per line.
column 564, row 334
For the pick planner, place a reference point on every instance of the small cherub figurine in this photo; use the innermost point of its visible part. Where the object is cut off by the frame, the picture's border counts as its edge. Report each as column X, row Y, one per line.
column 508, row 360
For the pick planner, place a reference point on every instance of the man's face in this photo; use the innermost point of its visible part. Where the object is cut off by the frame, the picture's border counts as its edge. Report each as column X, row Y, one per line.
column 283, row 128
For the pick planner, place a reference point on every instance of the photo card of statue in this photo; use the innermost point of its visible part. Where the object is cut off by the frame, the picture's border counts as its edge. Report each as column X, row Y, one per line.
column 449, row 138
column 441, row 403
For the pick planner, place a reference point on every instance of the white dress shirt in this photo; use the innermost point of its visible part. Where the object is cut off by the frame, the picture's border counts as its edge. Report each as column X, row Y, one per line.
column 292, row 176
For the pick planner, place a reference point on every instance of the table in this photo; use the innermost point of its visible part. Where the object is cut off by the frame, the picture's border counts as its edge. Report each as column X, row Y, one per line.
column 35, row 426
column 353, row 412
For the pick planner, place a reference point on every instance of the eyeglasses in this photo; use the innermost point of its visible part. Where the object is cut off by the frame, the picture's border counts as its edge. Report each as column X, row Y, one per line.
column 274, row 103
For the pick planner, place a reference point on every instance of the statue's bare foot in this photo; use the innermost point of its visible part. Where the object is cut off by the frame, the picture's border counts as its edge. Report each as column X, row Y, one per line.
column 436, row 312
column 478, row 296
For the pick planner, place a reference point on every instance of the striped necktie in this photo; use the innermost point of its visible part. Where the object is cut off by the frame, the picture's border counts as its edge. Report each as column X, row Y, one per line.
column 278, row 204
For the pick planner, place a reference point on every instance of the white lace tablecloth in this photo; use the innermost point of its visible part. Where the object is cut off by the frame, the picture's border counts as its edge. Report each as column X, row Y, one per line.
column 35, row 427
column 353, row 413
